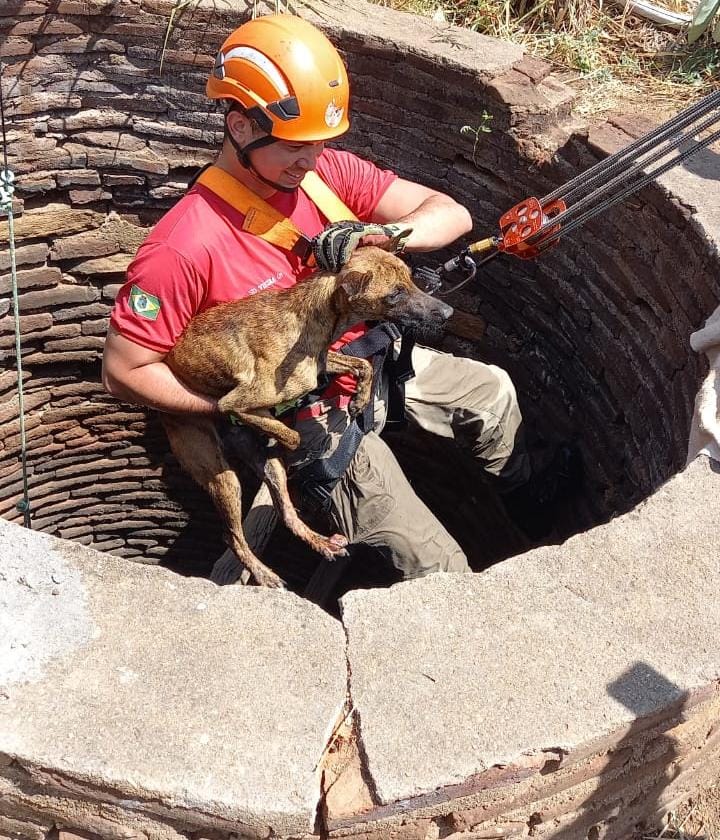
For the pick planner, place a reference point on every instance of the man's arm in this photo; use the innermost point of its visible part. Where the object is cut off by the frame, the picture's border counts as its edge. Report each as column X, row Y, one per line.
column 435, row 218
column 135, row 374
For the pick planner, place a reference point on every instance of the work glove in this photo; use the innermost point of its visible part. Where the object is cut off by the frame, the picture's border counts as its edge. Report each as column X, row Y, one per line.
column 333, row 246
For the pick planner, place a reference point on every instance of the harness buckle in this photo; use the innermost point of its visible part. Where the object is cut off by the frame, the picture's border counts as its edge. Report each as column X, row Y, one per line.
column 302, row 249
column 315, row 497
column 404, row 376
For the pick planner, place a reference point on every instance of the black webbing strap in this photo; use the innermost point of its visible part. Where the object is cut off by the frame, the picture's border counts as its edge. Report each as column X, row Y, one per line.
column 191, row 182
column 376, row 340
column 399, row 371
column 316, row 480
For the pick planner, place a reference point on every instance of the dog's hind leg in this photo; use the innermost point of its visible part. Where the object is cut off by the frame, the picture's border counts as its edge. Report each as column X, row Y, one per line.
column 276, row 478
column 197, row 447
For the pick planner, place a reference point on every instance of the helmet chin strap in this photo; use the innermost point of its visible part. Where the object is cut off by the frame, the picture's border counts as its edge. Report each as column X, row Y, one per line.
column 243, row 155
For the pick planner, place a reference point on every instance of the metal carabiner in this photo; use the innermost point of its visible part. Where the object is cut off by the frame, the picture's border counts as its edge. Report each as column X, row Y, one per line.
column 470, row 266
column 430, row 280
column 7, row 189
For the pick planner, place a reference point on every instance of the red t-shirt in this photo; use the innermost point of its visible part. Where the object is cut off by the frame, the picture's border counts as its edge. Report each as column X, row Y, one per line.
column 198, row 255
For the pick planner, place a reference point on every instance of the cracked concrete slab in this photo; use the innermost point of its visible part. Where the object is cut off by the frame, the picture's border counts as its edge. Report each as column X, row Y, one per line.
column 455, row 673
column 149, row 685
column 651, row 573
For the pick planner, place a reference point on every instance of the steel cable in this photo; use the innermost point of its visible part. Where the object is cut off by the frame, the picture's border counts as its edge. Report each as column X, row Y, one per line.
column 610, row 165
column 579, row 208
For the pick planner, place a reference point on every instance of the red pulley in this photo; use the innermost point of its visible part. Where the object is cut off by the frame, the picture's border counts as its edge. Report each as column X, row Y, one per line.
column 527, row 228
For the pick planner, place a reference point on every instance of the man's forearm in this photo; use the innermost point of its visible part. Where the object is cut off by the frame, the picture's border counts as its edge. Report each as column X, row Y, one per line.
column 437, row 222
column 156, row 386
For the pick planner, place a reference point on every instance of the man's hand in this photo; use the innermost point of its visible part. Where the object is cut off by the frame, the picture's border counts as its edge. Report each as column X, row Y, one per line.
column 333, row 247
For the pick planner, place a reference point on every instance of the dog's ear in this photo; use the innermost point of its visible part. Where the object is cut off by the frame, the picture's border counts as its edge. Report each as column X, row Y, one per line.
column 354, row 283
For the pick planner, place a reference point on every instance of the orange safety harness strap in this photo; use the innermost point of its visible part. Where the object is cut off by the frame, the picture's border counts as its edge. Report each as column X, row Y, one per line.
column 265, row 221
column 323, row 197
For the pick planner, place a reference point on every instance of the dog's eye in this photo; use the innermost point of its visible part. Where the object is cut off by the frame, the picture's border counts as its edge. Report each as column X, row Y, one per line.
column 396, row 296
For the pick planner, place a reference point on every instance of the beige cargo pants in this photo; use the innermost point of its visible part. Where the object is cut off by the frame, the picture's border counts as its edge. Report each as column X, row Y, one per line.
column 451, row 396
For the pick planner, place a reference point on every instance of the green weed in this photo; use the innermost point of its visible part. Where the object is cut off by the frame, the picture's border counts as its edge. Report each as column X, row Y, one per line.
column 476, row 131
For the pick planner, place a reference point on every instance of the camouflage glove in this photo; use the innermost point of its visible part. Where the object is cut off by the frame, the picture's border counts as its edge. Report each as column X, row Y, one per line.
column 333, row 247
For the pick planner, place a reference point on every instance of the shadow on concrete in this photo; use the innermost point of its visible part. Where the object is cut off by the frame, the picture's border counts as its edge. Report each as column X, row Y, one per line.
column 627, row 798
column 705, row 163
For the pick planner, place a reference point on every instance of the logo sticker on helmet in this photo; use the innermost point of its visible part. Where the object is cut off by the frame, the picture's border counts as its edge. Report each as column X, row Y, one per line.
column 333, row 115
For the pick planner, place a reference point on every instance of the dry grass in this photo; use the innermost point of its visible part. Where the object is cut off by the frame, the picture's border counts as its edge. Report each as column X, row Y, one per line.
column 613, row 59
column 696, row 819
column 687, row 824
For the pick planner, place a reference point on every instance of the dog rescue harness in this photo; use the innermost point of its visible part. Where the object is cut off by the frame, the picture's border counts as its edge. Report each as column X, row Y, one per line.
column 316, row 480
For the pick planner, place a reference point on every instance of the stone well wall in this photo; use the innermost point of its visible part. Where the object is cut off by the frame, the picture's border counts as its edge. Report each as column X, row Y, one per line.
column 569, row 692
column 594, row 335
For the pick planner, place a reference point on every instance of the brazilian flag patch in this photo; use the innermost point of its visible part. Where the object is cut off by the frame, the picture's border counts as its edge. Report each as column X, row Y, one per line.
column 143, row 304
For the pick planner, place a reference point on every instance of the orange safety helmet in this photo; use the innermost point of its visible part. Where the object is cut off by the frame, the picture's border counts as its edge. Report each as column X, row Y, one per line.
column 287, row 75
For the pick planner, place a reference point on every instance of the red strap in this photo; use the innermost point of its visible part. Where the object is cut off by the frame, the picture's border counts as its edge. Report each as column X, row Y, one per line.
column 320, row 407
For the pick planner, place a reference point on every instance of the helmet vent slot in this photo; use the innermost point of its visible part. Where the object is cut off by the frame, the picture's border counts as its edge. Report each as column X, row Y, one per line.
column 286, row 109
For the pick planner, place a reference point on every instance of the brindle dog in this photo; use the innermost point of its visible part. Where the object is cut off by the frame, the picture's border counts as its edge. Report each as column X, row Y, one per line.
column 269, row 349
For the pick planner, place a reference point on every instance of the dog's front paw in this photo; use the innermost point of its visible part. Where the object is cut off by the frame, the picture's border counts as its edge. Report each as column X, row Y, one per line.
column 265, row 577
column 358, row 404
column 340, row 543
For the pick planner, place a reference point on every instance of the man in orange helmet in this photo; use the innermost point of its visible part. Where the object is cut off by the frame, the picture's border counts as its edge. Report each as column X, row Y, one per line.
column 286, row 93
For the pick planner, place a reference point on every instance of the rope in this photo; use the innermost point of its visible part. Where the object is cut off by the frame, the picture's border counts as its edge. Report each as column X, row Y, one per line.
column 663, row 144
column 637, row 185
column 7, row 189
column 625, row 171
column 587, row 179
column 624, row 178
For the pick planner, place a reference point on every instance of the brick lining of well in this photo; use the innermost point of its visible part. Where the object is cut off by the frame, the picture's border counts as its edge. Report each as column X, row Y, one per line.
column 595, row 335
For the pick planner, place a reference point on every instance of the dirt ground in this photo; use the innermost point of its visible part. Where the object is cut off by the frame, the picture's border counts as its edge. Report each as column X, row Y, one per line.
column 702, row 817
column 696, row 819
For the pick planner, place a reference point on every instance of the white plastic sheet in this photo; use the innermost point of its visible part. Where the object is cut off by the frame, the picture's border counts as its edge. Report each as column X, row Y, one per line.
column 705, row 430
